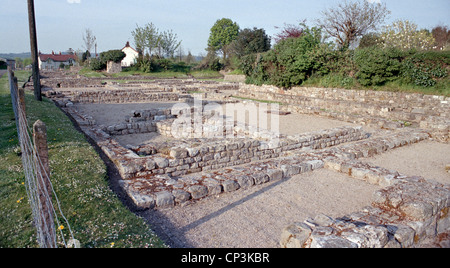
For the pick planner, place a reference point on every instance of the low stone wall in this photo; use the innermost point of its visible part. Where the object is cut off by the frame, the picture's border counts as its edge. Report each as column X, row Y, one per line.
column 407, row 211
column 204, row 155
column 121, row 96
column 141, row 121
column 234, row 78
column 388, row 110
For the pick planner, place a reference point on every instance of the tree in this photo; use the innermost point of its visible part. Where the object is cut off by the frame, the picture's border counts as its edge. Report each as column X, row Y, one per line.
column 146, row 37
column 403, row 34
column 369, row 40
column 222, row 34
column 351, row 20
column 441, row 35
column 169, row 43
column 139, row 39
column 89, row 39
column 251, row 41
column 289, row 31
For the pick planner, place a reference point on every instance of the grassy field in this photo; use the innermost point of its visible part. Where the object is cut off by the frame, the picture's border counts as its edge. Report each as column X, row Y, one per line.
column 205, row 74
column 97, row 217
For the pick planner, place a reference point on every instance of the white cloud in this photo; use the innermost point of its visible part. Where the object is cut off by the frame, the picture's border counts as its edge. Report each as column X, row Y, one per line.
column 74, row 1
column 374, row 1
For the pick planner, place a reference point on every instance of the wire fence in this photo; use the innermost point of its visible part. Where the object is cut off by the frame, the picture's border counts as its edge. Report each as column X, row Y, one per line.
column 45, row 205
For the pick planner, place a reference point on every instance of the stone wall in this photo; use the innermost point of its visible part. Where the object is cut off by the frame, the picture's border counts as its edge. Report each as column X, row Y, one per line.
column 381, row 109
column 203, row 155
column 110, row 96
column 140, row 121
column 113, row 67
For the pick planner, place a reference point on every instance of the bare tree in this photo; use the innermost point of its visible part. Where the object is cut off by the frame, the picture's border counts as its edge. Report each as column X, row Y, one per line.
column 441, row 34
column 351, row 20
column 89, row 39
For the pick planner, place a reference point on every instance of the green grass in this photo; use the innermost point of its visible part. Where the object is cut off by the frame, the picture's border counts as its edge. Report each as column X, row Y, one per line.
column 442, row 86
column 162, row 74
column 96, row 215
column 257, row 100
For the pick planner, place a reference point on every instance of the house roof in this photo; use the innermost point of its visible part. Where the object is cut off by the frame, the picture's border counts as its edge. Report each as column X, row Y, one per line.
column 128, row 45
column 57, row 57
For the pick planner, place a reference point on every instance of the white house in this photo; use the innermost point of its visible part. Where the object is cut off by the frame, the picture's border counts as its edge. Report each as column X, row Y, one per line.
column 53, row 61
column 131, row 55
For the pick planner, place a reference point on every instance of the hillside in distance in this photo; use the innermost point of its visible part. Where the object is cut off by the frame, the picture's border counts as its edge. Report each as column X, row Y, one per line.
column 12, row 56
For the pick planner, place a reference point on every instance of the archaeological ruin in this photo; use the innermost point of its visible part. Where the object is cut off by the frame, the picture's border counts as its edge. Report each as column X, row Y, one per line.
column 178, row 141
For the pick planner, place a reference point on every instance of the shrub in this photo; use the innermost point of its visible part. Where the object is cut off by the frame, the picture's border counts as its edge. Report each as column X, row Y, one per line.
column 97, row 64
column 290, row 63
column 425, row 68
column 377, row 66
column 112, row 55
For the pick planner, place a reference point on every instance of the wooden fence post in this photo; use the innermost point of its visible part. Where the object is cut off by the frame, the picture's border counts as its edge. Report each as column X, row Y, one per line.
column 43, row 184
column 34, row 50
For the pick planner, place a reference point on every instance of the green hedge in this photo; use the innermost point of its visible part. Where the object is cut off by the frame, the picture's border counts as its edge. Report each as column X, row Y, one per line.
column 297, row 61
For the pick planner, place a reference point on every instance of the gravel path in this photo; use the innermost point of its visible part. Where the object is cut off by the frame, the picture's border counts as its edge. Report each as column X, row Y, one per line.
column 254, row 218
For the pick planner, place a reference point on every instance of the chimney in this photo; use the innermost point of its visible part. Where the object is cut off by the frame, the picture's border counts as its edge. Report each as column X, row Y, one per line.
column 128, row 44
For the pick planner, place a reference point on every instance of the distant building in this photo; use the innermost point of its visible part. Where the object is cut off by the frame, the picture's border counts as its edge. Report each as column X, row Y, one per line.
column 53, row 61
column 9, row 62
column 131, row 55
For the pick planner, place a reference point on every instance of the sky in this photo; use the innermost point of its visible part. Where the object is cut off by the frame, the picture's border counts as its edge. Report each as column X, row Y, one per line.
column 61, row 23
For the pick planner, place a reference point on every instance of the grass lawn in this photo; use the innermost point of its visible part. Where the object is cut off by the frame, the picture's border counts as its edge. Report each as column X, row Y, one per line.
column 97, row 217
column 204, row 74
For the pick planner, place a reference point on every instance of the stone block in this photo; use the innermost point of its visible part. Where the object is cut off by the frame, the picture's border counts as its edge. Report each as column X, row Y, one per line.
column 289, row 171
column 161, row 162
column 260, row 178
column 245, row 181
column 150, row 164
column 331, row 241
column 403, row 234
column 417, row 210
column 181, row 196
column 198, row 191
column 359, row 173
column 142, row 201
column 295, row 235
column 164, row 199
column 230, row 186
column 213, row 188
column 275, row 174
column 315, row 164
column 178, row 153
column 193, row 151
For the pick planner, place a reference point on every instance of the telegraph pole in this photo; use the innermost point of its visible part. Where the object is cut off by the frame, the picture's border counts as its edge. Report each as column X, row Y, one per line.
column 34, row 51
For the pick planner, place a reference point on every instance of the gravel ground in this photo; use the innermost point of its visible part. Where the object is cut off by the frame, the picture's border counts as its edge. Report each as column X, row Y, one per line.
column 427, row 159
column 254, row 218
